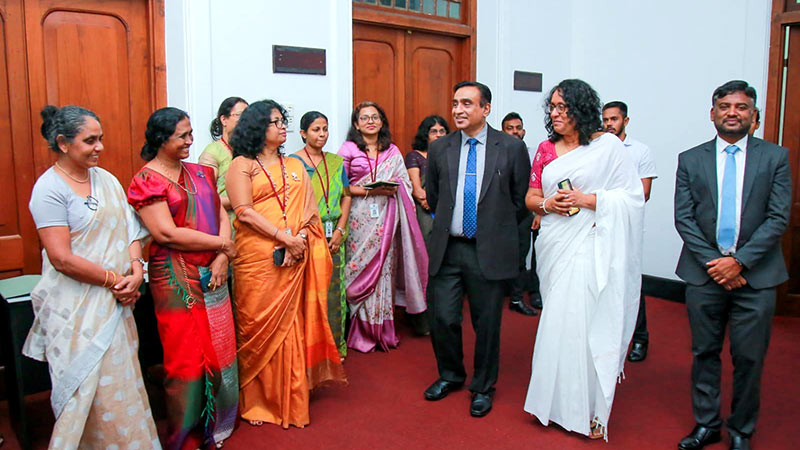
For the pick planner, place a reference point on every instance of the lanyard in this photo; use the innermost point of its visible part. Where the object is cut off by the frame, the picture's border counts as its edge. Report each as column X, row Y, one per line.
column 372, row 174
column 225, row 143
column 325, row 190
column 285, row 187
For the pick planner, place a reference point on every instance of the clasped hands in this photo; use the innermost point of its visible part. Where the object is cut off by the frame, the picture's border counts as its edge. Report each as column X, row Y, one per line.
column 726, row 272
column 127, row 290
column 295, row 248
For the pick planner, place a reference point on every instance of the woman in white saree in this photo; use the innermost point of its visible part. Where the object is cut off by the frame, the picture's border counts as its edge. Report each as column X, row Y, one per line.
column 91, row 273
column 588, row 263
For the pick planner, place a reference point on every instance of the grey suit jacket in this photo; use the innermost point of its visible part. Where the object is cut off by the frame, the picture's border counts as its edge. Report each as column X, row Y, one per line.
column 766, row 202
column 501, row 202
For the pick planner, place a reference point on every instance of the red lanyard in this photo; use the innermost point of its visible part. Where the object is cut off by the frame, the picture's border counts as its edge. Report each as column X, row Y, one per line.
column 325, row 191
column 224, row 142
column 372, row 174
column 285, row 187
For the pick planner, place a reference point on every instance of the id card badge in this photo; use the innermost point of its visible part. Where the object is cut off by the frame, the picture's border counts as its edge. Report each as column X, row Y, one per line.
column 328, row 229
column 373, row 211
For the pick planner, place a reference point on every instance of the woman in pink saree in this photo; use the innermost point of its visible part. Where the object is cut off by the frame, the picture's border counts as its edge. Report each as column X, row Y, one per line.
column 387, row 263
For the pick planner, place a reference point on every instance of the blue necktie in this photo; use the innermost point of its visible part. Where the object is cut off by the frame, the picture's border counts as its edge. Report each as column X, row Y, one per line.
column 469, row 225
column 727, row 215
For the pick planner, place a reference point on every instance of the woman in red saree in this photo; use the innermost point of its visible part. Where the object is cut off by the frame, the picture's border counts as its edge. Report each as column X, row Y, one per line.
column 188, row 270
column 282, row 274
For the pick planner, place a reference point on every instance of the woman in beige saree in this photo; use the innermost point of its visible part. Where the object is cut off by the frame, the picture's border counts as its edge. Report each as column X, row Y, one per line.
column 91, row 273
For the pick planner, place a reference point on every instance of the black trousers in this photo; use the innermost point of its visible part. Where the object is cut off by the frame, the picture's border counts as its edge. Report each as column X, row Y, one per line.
column 749, row 313
column 640, row 333
column 527, row 279
column 460, row 274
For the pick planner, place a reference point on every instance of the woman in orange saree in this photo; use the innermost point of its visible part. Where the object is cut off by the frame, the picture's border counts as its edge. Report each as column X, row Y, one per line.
column 282, row 274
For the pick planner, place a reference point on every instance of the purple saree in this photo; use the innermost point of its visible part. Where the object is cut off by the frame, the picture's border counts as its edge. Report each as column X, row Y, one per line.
column 386, row 263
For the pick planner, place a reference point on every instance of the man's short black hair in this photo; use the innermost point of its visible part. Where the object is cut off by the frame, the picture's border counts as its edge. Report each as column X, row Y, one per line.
column 733, row 86
column 623, row 108
column 486, row 93
column 511, row 116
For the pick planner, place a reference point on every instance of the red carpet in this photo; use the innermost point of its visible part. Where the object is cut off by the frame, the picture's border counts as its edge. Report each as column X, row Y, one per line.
column 383, row 407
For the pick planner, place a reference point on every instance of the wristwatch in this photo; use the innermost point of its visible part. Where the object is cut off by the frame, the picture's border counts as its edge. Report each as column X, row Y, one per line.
column 141, row 260
column 303, row 235
column 737, row 261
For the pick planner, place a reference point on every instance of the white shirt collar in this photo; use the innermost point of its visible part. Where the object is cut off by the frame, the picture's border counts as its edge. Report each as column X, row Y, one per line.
column 722, row 144
column 481, row 136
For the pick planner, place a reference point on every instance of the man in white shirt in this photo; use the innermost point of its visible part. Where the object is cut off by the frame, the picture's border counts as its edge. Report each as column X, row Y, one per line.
column 615, row 119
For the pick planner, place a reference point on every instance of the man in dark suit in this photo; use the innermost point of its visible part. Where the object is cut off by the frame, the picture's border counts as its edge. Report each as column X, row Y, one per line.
column 732, row 200
column 476, row 183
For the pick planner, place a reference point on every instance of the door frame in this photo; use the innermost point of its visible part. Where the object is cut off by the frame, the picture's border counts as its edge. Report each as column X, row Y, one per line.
column 781, row 16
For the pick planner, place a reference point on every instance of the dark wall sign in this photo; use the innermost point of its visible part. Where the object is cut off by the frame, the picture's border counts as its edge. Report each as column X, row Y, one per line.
column 287, row 59
column 527, row 81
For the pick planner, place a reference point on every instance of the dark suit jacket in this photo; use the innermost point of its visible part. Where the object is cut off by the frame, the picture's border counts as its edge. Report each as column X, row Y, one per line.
column 766, row 202
column 501, row 202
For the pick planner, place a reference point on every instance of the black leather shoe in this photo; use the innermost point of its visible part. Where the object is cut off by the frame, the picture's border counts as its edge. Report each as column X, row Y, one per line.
column 536, row 300
column 638, row 352
column 481, row 404
column 521, row 308
column 740, row 442
column 440, row 388
column 699, row 438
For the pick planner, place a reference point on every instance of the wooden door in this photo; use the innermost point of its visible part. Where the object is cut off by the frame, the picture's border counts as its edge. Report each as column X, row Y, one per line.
column 410, row 73
column 104, row 55
column 789, row 137
column 16, row 158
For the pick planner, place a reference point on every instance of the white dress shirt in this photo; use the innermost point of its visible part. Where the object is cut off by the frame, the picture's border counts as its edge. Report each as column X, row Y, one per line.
column 739, row 157
column 457, row 224
column 641, row 157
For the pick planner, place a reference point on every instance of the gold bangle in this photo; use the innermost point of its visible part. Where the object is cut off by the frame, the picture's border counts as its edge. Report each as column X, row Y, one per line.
column 105, row 280
column 115, row 279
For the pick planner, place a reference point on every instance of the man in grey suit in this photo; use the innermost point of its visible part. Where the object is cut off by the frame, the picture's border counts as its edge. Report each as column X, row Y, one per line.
column 476, row 183
column 732, row 200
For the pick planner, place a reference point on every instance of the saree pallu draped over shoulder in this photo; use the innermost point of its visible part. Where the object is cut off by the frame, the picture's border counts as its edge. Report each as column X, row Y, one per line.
column 285, row 343
column 89, row 340
column 196, row 328
column 589, row 265
column 387, row 263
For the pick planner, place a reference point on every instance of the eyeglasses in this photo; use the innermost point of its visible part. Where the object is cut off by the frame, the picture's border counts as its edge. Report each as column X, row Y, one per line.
column 91, row 203
column 279, row 123
column 373, row 118
column 439, row 132
column 561, row 108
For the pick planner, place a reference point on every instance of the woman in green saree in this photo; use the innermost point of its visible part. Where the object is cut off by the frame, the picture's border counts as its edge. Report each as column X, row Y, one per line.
column 332, row 192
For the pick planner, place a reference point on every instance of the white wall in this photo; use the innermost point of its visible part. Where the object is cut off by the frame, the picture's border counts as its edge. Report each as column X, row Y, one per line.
column 221, row 48
column 663, row 59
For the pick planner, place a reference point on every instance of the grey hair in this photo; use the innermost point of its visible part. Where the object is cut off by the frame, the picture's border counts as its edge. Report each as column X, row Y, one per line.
column 66, row 121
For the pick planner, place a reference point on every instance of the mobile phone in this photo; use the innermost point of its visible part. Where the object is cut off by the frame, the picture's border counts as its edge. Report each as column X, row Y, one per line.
column 205, row 280
column 567, row 184
column 278, row 255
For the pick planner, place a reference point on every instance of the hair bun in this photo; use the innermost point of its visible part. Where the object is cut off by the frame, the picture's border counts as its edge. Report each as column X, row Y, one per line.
column 47, row 113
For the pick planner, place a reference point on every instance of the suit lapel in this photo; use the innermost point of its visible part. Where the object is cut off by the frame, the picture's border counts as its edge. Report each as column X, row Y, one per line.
column 453, row 151
column 710, row 166
column 751, row 162
column 490, row 160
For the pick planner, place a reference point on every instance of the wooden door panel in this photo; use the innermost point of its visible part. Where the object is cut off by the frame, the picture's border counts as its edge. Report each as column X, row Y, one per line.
column 379, row 71
column 96, row 54
column 435, row 67
column 789, row 296
column 86, row 64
